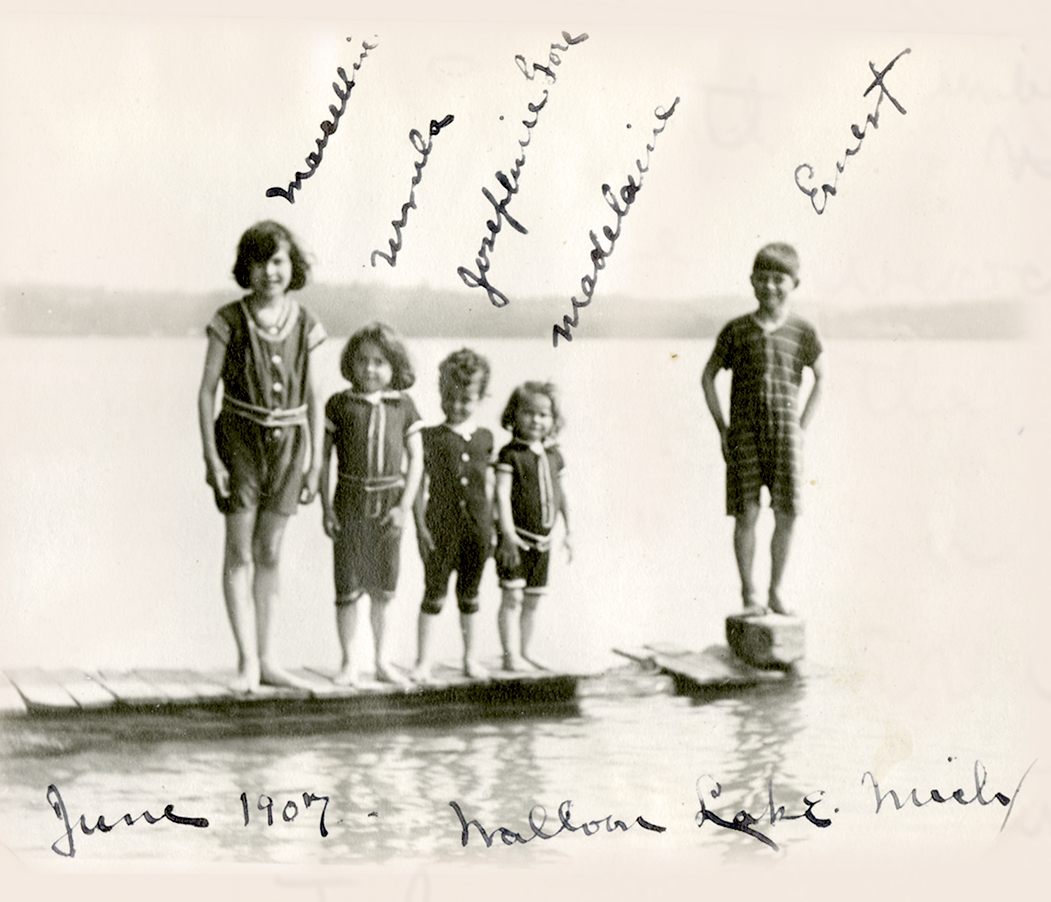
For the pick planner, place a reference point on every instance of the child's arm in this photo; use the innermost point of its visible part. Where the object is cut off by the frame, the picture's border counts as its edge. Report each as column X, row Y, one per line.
column 328, row 515
column 810, row 407
column 711, row 398
column 424, row 539
column 509, row 539
column 563, row 506
column 397, row 516
column 316, row 424
column 216, row 474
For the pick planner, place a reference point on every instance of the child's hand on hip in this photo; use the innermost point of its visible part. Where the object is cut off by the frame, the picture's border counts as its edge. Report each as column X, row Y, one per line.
column 218, row 477
column 507, row 551
column 395, row 518
column 424, row 541
column 310, row 481
column 330, row 524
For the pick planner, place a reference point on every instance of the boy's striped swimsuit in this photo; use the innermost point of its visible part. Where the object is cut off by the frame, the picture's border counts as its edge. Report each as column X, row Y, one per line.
column 764, row 438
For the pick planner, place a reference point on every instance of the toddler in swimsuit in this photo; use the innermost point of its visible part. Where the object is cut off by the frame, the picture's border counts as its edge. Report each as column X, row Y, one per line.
column 373, row 427
column 454, row 513
column 529, row 497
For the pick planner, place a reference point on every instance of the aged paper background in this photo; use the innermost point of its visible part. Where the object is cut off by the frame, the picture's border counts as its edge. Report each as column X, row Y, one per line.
column 90, row 184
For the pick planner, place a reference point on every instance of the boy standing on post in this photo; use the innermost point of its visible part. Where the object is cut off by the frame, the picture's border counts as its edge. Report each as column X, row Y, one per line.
column 766, row 351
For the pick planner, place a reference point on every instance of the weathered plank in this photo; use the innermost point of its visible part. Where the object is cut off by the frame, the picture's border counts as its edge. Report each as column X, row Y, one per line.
column 86, row 688
column 715, row 667
column 40, row 690
column 11, row 703
column 131, row 689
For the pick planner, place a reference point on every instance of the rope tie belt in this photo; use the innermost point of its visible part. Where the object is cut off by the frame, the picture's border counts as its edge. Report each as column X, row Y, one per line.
column 264, row 416
column 373, row 483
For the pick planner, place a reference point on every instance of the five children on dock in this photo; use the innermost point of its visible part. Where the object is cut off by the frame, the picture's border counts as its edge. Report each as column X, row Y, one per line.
column 270, row 449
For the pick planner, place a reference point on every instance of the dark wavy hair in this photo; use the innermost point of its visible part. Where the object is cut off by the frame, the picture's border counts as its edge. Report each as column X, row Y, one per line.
column 463, row 368
column 259, row 243
column 390, row 343
column 527, row 390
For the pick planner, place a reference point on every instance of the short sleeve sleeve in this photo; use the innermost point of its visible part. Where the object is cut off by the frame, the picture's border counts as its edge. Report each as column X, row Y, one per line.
column 811, row 346
column 487, row 444
column 219, row 328
column 332, row 414
column 413, row 423
column 722, row 354
column 554, row 454
column 505, row 460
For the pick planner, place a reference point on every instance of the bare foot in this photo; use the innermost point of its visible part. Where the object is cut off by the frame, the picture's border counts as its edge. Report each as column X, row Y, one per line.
column 247, row 679
column 473, row 670
column 778, row 606
column 421, row 674
column 386, row 674
column 536, row 665
column 271, row 675
column 347, row 676
column 751, row 609
column 513, row 663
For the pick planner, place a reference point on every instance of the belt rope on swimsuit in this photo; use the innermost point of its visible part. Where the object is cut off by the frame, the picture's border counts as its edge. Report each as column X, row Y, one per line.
column 373, row 483
column 264, row 416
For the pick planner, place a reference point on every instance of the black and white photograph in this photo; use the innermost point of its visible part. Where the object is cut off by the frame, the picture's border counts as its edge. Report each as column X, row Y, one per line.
column 580, row 450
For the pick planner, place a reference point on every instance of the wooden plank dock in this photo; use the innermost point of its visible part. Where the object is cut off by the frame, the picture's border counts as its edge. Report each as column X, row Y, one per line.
column 715, row 669
column 155, row 703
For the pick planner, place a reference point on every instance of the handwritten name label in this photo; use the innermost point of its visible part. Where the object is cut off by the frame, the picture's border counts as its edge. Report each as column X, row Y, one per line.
column 627, row 193
column 328, row 128
column 858, row 132
column 424, row 150
column 480, row 279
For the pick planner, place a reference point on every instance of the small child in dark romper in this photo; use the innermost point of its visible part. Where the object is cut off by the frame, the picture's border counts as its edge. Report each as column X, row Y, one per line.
column 372, row 428
column 454, row 514
column 529, row 497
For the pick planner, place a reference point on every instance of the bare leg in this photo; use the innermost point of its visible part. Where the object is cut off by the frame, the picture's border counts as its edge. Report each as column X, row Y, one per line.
column 471, row 667
column 266, row 587
column 779, row 545
column 744, row 551
column 237, row 576
column 421, row 673
column 347, row 628
column 378, row 614
column 529, row 605
column 507, row 621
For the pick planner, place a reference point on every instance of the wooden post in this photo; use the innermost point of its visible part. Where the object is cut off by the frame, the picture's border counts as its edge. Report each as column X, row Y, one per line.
column 770, row 641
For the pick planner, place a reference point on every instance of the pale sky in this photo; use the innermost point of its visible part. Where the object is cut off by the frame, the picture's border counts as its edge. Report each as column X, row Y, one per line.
column 135, row 150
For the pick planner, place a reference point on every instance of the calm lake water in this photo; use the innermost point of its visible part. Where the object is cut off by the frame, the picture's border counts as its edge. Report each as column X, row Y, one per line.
column 913, row 565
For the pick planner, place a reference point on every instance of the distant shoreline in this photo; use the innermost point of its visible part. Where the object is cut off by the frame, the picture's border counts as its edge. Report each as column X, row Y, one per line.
column 56, row 310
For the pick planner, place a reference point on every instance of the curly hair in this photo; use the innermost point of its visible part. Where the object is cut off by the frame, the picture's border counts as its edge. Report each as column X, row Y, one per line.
column 403, row 376
column 462, row 369
column 259, row 243
column 528, row 390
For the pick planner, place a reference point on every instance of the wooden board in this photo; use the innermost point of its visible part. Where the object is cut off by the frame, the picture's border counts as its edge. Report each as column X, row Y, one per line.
column 40, row 690
column 11, row 703
column 715, row 667
column 86, row 688
column 131, row 689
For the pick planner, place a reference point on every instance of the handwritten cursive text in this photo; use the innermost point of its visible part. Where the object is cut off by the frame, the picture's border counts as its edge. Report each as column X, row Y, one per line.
column 328, row 128
column 857, row 131
column 424, row 150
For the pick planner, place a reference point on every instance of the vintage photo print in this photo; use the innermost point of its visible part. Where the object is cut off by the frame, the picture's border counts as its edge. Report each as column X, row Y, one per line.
column 462, row 451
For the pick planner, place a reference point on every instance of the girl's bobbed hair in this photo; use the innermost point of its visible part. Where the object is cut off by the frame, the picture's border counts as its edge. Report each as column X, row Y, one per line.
column 259, row 243
column 403, row 376
column 464, row 368
column 528, row 390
